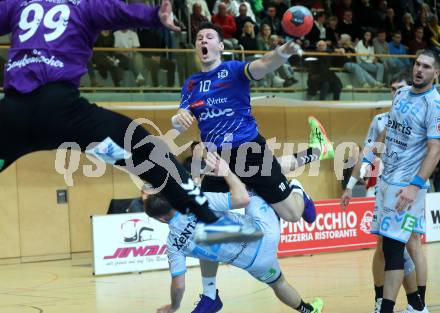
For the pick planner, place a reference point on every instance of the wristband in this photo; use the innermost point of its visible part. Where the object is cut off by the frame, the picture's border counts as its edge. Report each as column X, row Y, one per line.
column 369, row 158
column 418, row 181
column 351, row 183
column 282, row 54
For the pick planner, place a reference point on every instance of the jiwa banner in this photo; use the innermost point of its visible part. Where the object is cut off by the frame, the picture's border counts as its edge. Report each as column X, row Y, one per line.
column 126, row 243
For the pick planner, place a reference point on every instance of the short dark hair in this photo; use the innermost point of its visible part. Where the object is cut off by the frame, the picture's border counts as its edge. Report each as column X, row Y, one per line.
column 402, row 76
column 432, row 54
column 208, row 25
column 156, row 206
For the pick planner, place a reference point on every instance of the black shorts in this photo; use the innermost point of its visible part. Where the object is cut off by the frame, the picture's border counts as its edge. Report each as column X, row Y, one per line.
column 268, row 182
column 55, row 114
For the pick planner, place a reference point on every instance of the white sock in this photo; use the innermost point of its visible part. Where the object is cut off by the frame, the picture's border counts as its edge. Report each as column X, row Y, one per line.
column 209, row 287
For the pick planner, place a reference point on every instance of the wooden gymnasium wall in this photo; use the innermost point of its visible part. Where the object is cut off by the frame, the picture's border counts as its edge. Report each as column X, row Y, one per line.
column 34, row 227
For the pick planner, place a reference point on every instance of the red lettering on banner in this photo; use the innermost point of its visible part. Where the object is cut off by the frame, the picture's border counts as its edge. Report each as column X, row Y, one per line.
column 122, row 253
column 333, row 230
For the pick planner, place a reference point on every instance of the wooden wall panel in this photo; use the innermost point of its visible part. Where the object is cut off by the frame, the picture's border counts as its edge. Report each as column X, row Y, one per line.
column 87, row 196
column 9, row 222
column 44, row 224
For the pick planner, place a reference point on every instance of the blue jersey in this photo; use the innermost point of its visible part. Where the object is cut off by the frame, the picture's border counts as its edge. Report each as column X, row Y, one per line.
column 220, row 101
column 413, row 120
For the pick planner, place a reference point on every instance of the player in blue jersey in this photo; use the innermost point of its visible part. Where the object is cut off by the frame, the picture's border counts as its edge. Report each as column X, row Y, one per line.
column 258, row 258
column 415, row 276
column 219, row 99
column 412, row 141
column 51, row 43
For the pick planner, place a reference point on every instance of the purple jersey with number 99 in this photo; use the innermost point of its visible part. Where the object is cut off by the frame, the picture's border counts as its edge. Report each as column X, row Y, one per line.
column 52, row 40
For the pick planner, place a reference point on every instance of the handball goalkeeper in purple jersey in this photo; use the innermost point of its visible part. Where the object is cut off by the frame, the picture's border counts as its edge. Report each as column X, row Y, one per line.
column 51, row 44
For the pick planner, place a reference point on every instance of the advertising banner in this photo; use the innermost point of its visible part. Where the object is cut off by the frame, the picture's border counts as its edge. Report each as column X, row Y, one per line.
column 333, row 230
column 124, row 243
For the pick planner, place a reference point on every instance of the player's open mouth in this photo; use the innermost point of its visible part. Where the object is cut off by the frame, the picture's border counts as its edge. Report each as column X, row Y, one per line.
column 419, row 76
column 204, row 50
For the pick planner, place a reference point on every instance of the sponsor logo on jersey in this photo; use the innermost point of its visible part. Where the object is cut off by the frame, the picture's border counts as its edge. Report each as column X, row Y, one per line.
column 409, row 223
column 222, row 74
column 213, row 101
column 400, row 127
column 182, row 241
column 197, row 104
column 212, row 113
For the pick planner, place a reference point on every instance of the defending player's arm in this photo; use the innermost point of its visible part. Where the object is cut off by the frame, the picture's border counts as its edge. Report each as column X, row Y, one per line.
column 362, row 167
column 273, row 59
column 239, row 195
column 114, row 14
column 407, row 195
column 177, row 291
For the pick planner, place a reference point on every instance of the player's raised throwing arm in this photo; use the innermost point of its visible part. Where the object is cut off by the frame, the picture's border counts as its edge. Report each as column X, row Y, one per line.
column 274, row 59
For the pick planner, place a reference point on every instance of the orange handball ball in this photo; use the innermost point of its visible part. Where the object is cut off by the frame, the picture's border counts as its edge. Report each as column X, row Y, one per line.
column 297, row 21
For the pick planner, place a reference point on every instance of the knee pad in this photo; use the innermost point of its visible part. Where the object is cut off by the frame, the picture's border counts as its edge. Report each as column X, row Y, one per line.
column 408, row 266
column 393, row 253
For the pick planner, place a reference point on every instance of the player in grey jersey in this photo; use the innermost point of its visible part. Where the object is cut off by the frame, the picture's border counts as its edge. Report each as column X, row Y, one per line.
column 412, row 153
column 258, row 258
column 414, row 285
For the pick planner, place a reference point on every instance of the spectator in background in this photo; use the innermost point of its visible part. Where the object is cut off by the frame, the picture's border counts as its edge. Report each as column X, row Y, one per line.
column 380, row 45
column 105, row 61
column 131, row 61
column 204, row 10
column 249, row 11
column 263, row 39
column 272, row 20
column 227, row 23
column 434, row 28
column 331, row 31
column 407, row 29
column 366, row 15
column 241, row 19
column 318, row 31
column 248, row 39
column 321, row 78
column 357, row 73
column 382, row 11
column 257, row 8
column 152, row 38
column 422, row 20
column 340, row 6
column 396, row 47
column 348, row 27
column 280, row 6
column 417, row 43
column 369, row 62
column 231, row 7
column 390, row 24
column 196, row 18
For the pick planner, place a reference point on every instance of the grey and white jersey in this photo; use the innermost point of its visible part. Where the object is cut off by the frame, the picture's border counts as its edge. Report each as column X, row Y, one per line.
column 181, row 242
column 377, row 125
column 414, row 119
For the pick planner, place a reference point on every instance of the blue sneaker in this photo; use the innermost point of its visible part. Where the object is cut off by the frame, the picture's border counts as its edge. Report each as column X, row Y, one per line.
column 207, row 305
column 227, row 230
column 309, row 214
